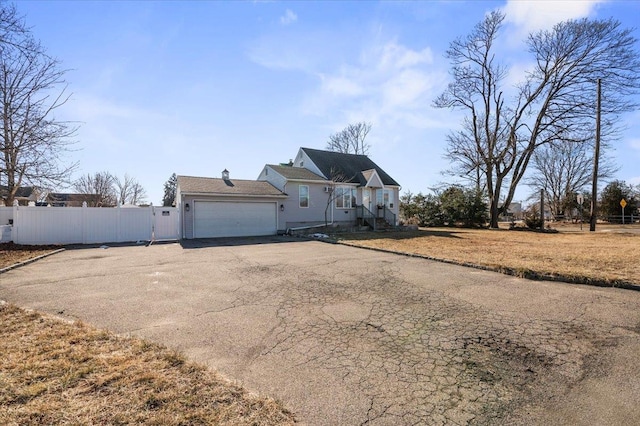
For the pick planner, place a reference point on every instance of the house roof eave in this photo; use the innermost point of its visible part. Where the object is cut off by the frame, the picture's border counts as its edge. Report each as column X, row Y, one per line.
column 223, row 194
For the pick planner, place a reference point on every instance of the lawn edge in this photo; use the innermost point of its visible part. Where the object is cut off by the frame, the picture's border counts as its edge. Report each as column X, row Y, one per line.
column 526, row 274
column 129, row 340
column 33, row 259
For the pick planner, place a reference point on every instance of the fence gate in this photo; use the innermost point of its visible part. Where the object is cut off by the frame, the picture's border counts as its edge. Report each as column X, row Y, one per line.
column 166, row 223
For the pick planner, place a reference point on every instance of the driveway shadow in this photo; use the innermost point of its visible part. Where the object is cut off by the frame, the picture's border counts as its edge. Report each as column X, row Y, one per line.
column 236, row 241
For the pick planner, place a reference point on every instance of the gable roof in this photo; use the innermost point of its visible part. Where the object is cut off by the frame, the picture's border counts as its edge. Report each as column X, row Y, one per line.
column 217, row 186
column 22, row 192
column 349, row 165
column 296, row 173
column 372, row 177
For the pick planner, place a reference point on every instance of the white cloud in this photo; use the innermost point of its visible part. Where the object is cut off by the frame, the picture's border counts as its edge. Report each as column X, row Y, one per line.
column 388, row 82
column 634, row 143
column 395, row 56
column 294, row 50
column 341, row 86
column 362, row 78
column 289, row 17
column 634, row 180
column 529, row 15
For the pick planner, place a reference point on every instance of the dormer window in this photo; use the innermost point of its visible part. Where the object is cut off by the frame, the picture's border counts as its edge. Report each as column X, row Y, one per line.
column 225, row 174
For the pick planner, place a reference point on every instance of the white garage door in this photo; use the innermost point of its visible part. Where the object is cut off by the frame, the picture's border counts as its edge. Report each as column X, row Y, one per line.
column 233, row 219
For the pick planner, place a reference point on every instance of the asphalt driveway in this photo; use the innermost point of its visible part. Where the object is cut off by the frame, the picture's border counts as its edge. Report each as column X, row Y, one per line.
column 349, row 336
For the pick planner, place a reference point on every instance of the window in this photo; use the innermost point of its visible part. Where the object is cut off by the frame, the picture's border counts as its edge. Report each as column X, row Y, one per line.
column 384, row 197
column 345, row 197
column 303, row 191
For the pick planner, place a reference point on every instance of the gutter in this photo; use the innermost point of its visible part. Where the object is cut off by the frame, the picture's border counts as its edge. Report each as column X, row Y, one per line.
column 219, row 194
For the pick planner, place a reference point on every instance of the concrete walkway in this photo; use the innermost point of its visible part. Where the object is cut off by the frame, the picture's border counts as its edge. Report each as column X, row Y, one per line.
column 350, row 336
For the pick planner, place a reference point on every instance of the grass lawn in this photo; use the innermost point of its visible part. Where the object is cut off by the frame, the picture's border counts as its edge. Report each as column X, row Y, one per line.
column 601, row 257
column 54, row 372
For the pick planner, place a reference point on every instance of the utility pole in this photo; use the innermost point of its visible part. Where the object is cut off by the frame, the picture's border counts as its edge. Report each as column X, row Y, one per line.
column 596, row 156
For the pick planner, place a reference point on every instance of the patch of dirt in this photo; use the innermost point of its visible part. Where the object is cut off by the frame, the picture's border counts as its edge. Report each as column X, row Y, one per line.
column 11, row 253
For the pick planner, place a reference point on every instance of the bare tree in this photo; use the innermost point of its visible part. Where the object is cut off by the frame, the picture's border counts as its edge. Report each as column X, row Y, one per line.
column 123, row 188
column 334, row 190
column 555, row 98
column 468, row 161
column 98, row 188
column 138, row 194
column 32, row 88
column 351, row 139
column 12, row 28
column 129, row 190
column 563, row 170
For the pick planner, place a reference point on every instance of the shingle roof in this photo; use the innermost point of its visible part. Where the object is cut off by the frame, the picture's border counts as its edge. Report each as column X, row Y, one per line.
column 217, row 186
column 22, row 192
column 63, row 196
column 296, row 173
column 350, row 166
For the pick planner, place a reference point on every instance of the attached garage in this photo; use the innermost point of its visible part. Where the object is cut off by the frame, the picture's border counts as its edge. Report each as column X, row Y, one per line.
column 234, row 219
column 214, row 208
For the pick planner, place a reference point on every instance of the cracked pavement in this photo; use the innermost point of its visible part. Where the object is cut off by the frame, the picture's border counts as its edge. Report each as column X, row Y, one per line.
column 349, row 336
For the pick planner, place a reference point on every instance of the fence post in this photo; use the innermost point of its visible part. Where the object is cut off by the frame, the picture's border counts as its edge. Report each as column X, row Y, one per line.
column 15, row 236
column 118, row 224
column 152, row 210
column 84, row 222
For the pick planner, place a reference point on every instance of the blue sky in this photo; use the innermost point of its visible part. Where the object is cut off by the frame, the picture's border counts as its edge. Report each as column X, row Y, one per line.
column 197, row 87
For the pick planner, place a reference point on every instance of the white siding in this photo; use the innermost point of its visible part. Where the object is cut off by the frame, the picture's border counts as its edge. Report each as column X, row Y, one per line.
column 273, row 177
column 302, row 160
column 84, row 225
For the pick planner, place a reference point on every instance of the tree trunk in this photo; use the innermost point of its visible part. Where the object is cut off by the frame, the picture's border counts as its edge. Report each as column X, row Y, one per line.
column 493, row 210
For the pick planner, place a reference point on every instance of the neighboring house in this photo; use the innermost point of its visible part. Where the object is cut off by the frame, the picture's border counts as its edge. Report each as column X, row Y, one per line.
column 62, row 199
column 318, row 187
column 23, row 195
column 514, row 211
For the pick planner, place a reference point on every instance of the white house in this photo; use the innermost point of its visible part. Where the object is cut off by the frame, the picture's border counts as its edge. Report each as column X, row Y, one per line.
column 318, row 187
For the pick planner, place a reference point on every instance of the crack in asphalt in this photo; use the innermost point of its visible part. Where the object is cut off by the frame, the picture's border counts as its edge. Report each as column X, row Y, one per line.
column 419, row 357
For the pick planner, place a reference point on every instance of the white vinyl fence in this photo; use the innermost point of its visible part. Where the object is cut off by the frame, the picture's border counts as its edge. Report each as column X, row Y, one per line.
column 89, row 225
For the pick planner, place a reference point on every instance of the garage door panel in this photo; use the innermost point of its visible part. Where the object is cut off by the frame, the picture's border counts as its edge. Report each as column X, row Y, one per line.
column 233, row 219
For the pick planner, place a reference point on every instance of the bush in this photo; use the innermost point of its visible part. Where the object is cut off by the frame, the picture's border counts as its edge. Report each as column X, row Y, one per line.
column 532, row 219
column 456, row 206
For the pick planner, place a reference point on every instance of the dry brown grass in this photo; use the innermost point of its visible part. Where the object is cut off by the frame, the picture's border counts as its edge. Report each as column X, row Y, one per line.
column 53, row 372
column 10, row 253
column 601, row 257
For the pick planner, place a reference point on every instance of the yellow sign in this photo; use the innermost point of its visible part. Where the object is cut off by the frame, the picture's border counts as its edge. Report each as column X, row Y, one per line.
column 623, row 203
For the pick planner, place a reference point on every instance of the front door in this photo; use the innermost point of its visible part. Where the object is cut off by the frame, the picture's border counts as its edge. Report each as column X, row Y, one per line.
column 366, row 198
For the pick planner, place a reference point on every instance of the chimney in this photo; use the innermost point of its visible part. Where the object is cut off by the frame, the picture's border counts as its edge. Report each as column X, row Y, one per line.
column 225, row 174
